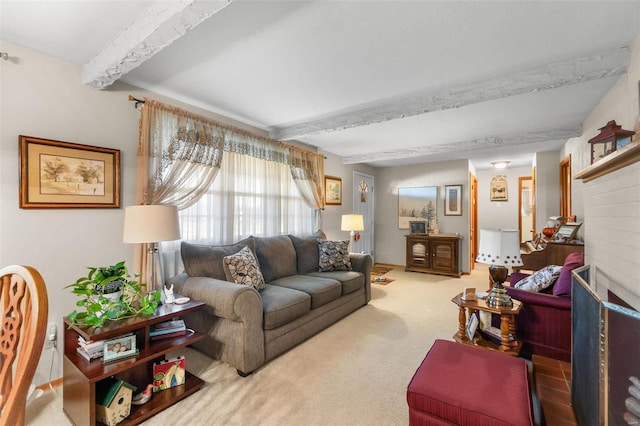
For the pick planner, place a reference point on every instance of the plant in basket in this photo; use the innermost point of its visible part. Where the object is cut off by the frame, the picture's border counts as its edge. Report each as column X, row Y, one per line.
column 109, row 293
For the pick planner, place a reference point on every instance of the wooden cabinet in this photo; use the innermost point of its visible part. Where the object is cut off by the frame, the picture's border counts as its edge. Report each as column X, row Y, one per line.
column 435, row 254
column 553, row 254
column 81, row 376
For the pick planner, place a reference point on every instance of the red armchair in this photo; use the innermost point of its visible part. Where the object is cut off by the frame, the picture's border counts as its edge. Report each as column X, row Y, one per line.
column 544, row 322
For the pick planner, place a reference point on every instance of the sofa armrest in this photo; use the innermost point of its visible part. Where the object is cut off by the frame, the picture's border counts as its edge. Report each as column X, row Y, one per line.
column 224, row 299
column 363, row 263
column 539, row 299
column 543, row 324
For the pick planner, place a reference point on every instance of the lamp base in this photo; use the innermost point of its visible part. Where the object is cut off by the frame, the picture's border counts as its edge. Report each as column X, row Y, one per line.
column 498, row 296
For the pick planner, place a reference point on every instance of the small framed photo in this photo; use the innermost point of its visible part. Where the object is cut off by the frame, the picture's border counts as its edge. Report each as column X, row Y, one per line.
column 567, row 232
column 453, row 200
column 333, row 190
column 472, row 326
column 121, row 347
column 417, row 227
column 65, row 175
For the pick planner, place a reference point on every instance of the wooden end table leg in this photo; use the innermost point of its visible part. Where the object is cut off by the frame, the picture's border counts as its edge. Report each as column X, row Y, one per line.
column 462, row 324
column 504, row 333
column 512, row 326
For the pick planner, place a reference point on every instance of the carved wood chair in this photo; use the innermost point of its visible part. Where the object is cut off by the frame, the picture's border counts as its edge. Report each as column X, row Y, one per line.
column 25, row 308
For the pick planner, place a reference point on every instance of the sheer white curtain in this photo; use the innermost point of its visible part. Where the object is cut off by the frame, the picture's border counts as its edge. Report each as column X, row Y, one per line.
column 178, row 157
column 227, row 183
column 250, row 196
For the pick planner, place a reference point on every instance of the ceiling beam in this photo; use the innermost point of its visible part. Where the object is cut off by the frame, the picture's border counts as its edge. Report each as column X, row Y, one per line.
column 610, row 63
column 472, row 145
column 161, row 24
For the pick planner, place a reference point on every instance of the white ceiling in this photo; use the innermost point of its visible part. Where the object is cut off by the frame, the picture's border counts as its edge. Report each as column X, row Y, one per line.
column 377, row 82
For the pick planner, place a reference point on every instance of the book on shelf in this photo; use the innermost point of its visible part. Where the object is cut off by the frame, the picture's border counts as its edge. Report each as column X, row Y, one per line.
column 93, row 347
column 167, row 328
column 88, row 356
column 169, row 335
column 494, row 334
column 169, row 373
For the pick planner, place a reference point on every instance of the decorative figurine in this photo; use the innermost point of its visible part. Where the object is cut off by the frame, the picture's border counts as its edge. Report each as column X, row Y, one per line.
column 143, row 397
column 168, row 295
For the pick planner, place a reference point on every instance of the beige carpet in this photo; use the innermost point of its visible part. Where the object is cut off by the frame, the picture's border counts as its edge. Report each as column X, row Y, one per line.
column 353, row 373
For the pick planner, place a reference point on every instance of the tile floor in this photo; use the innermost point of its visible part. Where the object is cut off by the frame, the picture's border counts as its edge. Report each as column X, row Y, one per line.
column 553, row 386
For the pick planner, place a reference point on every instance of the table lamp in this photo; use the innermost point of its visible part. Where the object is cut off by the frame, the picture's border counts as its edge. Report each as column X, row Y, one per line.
column 352, row 223
column 150, row 224
column 499, row 249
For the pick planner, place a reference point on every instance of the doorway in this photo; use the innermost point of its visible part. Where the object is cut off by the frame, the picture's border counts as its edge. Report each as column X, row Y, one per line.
column 526, row 208
column 473, row 220
column 363, row 203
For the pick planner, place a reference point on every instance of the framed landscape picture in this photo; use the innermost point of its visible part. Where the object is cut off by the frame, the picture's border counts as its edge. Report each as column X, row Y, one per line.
column 453, row 200
column 333, row 190
column 55, row 174
column 417, row 204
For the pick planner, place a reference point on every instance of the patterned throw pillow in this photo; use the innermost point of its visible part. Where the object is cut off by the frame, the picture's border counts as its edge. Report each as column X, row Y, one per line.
column 334, row 255
column 540, row 279
column 243, row 269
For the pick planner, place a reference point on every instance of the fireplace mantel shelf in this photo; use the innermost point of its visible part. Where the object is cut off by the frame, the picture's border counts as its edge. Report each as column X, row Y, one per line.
column 616, row 160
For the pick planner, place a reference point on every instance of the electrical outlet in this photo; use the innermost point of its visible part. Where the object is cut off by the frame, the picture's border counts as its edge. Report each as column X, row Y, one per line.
column 52, row 336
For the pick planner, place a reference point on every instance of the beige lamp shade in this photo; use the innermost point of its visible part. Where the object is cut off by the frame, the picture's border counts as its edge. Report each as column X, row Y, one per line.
column 352, row 222
column 150, row 224
column 499, row 247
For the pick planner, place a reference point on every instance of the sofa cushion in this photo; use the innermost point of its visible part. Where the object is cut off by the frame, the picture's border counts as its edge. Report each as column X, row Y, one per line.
column 242, row 268
column 563, row 284
column 307, row 254
column 321, row 290
column 334, row 256
column 351, row 280
column 540, row 280
column 282, row 305
column 206, row 260
column 277, row 257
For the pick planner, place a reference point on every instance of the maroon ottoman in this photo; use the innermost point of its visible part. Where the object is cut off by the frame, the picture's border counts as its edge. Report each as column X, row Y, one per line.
column 459, row 384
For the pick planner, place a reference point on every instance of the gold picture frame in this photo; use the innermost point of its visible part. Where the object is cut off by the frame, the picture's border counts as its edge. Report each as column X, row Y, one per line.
column 65, row 175
column 333, row 191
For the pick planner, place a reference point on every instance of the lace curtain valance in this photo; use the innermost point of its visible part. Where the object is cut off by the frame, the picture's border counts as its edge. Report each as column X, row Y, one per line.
column 201, row 142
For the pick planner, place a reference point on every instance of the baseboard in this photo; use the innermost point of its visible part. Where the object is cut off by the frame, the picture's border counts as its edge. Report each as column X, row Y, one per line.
column 389, row 265
column 54, row 384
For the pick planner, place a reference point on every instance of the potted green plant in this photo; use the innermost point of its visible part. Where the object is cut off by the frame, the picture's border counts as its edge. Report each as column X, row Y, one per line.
column 108, row 293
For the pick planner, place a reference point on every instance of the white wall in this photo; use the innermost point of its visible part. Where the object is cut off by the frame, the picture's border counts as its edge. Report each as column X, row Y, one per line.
column 611, row 204
column 332, row 215
column 390, row 240
column 499, row 214
column 44, row 97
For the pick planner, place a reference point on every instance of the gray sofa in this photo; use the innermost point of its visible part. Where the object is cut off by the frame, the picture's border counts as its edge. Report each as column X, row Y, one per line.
column 245, row 327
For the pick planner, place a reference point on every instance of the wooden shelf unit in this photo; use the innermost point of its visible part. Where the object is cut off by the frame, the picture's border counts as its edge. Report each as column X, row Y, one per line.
column 81, row 376
column 435, row 254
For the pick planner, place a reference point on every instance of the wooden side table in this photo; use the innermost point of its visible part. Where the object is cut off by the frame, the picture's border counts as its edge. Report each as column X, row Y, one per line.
column 81, row 376
column 509, row 343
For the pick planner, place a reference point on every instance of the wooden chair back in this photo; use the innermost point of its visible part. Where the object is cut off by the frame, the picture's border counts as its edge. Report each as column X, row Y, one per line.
column 25, row 309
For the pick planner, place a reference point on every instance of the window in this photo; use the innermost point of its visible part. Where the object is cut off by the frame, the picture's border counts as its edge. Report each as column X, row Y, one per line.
column 250, row 196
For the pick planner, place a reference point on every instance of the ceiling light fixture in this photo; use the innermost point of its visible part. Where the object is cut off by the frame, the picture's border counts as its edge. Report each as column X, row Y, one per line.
column 500, row 164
